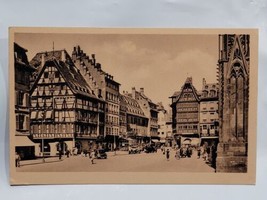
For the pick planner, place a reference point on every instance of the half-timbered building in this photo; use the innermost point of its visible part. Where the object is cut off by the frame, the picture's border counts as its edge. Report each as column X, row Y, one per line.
column 65, row 112
column 185, row 109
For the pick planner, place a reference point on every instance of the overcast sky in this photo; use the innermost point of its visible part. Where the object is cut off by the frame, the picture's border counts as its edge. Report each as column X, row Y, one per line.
column 159, row 63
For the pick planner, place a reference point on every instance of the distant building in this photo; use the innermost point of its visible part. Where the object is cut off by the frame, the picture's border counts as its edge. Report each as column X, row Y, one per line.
column 136, row 121
column 123, row 118
column 23, row 70
column 208, row 113
column 233, row 75
column 65, row 112
column 185, row 111
column 105, row 87
column 164, row 125
column 150, row 111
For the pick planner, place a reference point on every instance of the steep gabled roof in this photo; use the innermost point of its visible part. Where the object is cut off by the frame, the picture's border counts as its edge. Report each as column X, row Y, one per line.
column 188, row 83
column 67, row 69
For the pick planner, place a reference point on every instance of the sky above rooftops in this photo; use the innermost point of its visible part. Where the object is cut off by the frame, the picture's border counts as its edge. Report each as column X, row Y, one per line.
column 158, row 63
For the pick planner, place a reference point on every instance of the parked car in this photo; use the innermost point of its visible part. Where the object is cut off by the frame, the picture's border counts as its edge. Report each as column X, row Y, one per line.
column 134, row 149
column 150, row 149
column 101, row 154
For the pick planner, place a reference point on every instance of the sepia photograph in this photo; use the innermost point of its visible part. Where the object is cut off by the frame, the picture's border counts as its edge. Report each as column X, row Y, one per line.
column 132, row 106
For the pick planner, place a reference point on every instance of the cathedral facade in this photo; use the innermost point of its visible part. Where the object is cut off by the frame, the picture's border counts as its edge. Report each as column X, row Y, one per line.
column 233, row 74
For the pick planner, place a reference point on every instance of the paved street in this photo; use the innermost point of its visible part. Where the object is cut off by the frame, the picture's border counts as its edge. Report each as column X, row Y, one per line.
column 121, row 162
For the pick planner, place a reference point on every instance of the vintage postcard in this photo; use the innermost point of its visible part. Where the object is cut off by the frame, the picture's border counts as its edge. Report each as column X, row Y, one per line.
column 133, row 106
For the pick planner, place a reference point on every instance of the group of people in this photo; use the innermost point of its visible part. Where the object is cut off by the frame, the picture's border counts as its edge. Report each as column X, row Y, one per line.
column 184, row 151
column 91, row 154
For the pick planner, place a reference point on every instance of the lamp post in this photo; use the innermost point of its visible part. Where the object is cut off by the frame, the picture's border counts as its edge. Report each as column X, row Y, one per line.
column 114, row 142
column 42, row 133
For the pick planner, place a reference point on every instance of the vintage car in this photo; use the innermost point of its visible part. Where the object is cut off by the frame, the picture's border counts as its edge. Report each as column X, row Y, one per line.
column 101, row 154
column 134, row 149
column 150, row 149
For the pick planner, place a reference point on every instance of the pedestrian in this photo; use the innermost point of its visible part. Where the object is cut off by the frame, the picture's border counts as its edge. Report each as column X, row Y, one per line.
column 68, row 153
column 18, row 158
column 178, row 154
column 168, row 154
column 59, row 154
column 92, row 156
column 198, row 152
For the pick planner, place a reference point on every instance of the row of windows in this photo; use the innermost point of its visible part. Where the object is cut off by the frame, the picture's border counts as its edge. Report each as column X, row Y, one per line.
column 188, row 120
column 206, row 120
column 22, row 122
column 211, row 108
column 186, row 105
column 54, row 90
column 112, row 97
column 187, row 115
column 22, row 99
column 114, row 87
column 210, row 113
column 87, row 117
column 113, row 120
column 212, row 93
column 207, row 127
column 113, row 108
column 188, row 127
column 112, row 131
column 137, row 120
column 50, row 128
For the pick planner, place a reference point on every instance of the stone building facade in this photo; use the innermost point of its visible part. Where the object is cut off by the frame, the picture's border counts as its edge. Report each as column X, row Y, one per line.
column 106, row 88
column 23, row 70
column 136, row 121
column 233, row 75
column 150, row 111
column 164, row 125
column 208, row 113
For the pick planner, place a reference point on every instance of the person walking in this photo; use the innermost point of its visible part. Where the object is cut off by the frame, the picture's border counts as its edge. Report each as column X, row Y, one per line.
column 17, row 157
column 178, row 154
column 198, row 152
column 60, row 154
column 68, row 153
column 92, row 156
column 168, row 154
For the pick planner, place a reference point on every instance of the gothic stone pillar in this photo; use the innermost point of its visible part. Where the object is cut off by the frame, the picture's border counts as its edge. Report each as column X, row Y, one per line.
column 233, row 74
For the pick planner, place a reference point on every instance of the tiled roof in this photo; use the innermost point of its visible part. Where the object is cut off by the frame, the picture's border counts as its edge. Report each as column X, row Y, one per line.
column 132, row 106
column 67, row 69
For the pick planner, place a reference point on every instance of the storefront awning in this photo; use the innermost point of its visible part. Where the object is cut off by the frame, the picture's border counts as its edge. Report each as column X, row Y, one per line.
column 210, row 137
column 21, row 141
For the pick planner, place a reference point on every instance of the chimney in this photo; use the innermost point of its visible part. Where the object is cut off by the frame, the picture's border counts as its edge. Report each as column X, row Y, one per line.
column 63, row 56
column 204, row 82
column 142, row 90
column 93, row 59
column 74, row 54
column 133, row 92
column 42, row 60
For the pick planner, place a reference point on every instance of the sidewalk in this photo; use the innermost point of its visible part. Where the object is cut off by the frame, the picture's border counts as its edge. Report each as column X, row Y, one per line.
column 118, row 153
column 40, row 161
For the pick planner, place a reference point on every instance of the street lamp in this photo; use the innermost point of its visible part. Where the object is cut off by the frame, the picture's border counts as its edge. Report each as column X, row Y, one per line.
column 42, row 133
column 114, row 142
